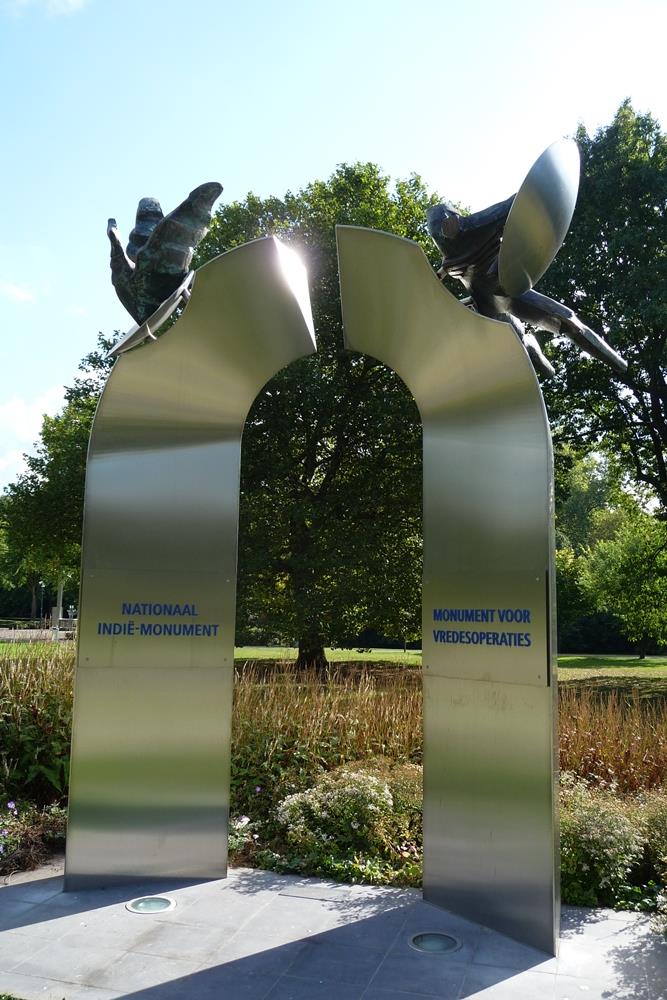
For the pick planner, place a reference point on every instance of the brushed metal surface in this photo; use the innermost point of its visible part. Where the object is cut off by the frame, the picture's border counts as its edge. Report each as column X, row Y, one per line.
column 149, row 788
column 490, row 833
column 540, row 217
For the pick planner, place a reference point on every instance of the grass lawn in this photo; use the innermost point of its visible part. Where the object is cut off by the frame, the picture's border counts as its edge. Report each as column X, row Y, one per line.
column 622, row 674
column 413, row 657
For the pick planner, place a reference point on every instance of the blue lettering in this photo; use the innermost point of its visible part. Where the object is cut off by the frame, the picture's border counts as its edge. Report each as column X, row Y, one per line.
column 514, row 614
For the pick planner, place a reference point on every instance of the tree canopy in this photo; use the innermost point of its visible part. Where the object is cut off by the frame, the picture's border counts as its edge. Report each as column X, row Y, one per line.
column 627, row 575
column 330, row 523
column 41, row 513
column 330, row 517
column 613, row 270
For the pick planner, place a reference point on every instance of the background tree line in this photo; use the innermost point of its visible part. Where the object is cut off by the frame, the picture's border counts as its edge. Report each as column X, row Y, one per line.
column 330, row 522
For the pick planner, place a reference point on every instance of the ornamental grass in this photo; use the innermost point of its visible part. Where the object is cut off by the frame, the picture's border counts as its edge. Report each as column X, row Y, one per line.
column 290, row 726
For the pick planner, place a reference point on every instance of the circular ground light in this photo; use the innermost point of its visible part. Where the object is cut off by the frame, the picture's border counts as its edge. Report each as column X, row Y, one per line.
column 433, row 943
column 150, row 904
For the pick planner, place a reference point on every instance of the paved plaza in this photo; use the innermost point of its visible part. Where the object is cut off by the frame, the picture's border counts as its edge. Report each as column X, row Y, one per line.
column 260, row 936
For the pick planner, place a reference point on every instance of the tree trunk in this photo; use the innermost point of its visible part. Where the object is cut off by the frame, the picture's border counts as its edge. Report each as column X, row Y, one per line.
column 311, row 656
column 33, row 600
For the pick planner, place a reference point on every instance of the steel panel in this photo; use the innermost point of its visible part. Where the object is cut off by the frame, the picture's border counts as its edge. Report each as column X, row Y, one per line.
column 540, row 217
column 490, row 827
column 149, row 787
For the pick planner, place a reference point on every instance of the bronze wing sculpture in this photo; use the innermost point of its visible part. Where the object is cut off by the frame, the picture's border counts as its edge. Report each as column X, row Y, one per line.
column 159, row 250
column 500, row 252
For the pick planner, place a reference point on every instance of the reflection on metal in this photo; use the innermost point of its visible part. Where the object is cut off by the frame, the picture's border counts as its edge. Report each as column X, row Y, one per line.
column 539, row 218
column 490, row 833
column 149, row 788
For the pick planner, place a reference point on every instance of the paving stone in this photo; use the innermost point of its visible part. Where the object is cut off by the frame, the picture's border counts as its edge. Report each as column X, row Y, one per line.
column 341, row 963
column 179, row 941
column 287, row 920
column 317, row 892
column 67, row 963
column 377, row 932
column 31, row 892
column 15, row 949
column 227, row 911
column 632, row 951
column 575, row 988
column 133, row 971
column 495, row 949
column 262, row 936
column 14, row 913
column 256, row 957
column 291, row 988
column 373, row 993
column 489, row 983
column 225, row 982
column 120, row 931
column 34, row 988
column 431, row 975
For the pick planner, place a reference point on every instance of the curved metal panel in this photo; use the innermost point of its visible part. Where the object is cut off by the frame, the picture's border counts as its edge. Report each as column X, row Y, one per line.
column 149, row 788
column 488, row 653
column 540, row 217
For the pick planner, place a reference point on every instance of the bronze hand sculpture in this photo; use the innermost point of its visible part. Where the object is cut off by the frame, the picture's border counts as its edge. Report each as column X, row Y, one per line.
column 501, row 286
column 159, row 250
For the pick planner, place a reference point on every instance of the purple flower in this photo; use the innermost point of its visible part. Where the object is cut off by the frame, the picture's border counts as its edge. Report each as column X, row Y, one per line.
column 11, row 805
column 258, row 788
column 4, row 833
column 2, row 848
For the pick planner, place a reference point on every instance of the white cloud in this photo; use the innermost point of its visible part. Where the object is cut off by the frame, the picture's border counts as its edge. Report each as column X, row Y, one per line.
column 20, row 424
column 17, row 293
column 12, row 464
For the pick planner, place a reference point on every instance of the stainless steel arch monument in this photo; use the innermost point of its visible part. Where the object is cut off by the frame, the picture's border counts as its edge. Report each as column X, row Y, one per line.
column 149, row 788
column 490, row 850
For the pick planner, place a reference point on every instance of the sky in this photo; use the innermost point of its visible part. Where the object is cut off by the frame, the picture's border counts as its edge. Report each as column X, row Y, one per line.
column 107, row 101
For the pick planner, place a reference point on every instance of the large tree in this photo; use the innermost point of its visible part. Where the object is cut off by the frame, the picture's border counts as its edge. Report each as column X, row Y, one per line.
column 41, row 513
column 330, row 528
column 613, row 269
column 591, row 506
column 627, row 575
column 330, row 520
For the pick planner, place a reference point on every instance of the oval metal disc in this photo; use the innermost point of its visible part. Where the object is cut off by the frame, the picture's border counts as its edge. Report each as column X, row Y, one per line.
column 539, row 218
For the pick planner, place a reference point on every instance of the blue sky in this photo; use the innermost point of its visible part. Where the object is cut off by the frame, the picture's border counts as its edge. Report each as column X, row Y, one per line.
column 106, row 101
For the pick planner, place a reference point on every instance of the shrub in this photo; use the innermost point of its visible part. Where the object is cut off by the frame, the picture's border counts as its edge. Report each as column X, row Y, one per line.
column 28, row 835
column 350, row 826
column 290, row 727
column 35, row 723
column 600, row 844
column 655, row 827
column 345, row 813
